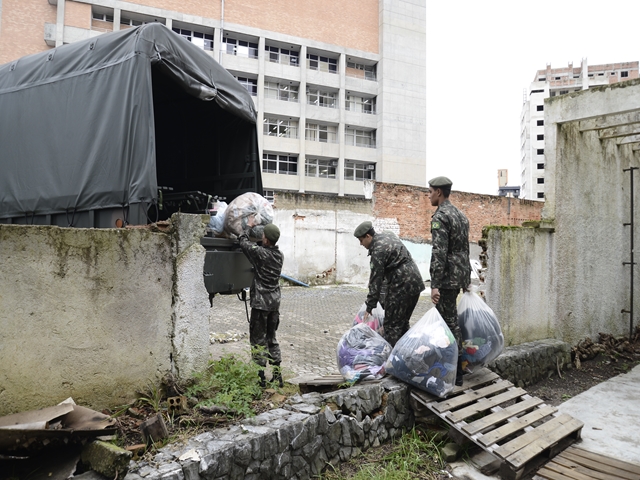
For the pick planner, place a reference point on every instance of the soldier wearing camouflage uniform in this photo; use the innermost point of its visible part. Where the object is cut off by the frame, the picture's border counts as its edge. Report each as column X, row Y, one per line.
column 265, row 299
column 391, row 263
column 450, row 268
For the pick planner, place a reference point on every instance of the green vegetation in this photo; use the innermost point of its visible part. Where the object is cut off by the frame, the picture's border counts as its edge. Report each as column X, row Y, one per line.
column 229, row 382
column 414, row 456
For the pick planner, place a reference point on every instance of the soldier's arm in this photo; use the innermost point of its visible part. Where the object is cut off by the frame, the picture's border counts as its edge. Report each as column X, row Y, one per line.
column 375, row 282
column 440, row 245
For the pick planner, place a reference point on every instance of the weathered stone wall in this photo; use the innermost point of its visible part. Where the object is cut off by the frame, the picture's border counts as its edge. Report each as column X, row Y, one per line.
column 297, row 441
column 95, row 314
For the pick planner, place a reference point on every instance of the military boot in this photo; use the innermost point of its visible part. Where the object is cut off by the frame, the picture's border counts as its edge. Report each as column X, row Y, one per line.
column 277, row 375
column 262, row 382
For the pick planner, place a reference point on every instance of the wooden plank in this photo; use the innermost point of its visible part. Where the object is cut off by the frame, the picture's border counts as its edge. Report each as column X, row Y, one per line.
column 552, row 436
column 485, row 404
column 512, row 427
column 525, row 439
column 472, row 396
column 553, row 471
column 476, row 379
column 501, row 416
column 600, row 467
column 559, row 460
column 614, row 462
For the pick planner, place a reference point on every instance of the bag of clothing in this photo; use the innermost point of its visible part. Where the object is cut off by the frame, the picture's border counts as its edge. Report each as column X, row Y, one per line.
column 216, row 222
column 362, row 354
column 482, row 339
column 426, row 356
column 375, row 320
column 245, row 212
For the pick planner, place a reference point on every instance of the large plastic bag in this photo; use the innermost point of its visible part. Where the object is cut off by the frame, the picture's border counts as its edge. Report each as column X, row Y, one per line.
column 426, row 356
column 482, row 339
column 375, row 320
column 216, row 222
column 362, row 354
column 246, row 212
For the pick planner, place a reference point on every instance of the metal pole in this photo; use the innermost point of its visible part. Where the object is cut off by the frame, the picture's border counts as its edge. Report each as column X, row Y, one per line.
column 631, row 262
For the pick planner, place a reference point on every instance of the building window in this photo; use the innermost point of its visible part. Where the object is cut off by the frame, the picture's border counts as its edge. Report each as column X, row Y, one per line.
column 360, row 104
column 201, row 39
column 540, row 108
column 276, row 127
column 281, row 91
column 269, row 195
column 368, row 72
column 360, row 138
column 281, row 164
column 563, row 92
column 553, row 94
column 540, row 151
column 240, row 48
column 613, row 73
column 131, row 22
column 251, row 85
column 540, row 123
column 541, row 166
column 540, row 180
column 321, row 133
column 540, row 137
column 322, row 99
column 542, row 79
column 558, row 78
column 104, row 17
column 282, row 55
column 316, row 167
column 624, row 74
column 540, row 194
column 359, row 171
column 323, row 64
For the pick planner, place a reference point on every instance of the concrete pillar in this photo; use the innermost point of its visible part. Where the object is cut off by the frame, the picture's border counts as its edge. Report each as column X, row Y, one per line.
column 117, row 15
column 60, row 23
column 260, row 103
column 342, row 71
column 302, row 98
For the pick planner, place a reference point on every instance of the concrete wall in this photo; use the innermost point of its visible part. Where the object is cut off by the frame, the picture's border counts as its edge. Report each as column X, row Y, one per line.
column 581, row 243
column 96, row 314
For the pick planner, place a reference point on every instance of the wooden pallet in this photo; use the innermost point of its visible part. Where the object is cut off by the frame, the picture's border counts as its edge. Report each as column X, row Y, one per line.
column 518, row 429
column 578, row 464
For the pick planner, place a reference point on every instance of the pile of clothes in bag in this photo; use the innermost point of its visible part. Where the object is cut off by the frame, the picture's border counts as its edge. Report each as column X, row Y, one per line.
column 375, row 320
column 362, row 354
column 247, row 212
column 426, row 356
column 482, row 339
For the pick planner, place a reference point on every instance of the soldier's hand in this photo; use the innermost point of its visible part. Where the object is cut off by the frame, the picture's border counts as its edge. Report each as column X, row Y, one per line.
column 366, row 316
column 435, row 296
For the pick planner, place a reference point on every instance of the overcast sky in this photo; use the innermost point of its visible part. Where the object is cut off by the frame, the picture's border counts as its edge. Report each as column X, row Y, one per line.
column 480, row 57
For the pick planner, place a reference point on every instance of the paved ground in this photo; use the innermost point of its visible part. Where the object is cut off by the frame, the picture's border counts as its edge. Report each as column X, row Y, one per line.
column 312, row 321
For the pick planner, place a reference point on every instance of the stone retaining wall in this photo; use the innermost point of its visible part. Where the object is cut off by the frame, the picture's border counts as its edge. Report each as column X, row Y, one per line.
column 313, row 430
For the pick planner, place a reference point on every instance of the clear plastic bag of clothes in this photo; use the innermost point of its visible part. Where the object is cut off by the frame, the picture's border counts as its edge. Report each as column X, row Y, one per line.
column 246, row 212
column 362, row 354
column 482, row 339
column 216, row 221
column 426, row 356
column 375, row 320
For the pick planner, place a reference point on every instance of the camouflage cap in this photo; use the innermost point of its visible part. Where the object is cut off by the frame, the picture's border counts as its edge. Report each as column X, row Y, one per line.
column 440, row 182
column 272, row 232
column 362, row 229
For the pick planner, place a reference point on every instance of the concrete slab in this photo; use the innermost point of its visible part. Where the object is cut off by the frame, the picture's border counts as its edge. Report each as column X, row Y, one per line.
column 610, row 412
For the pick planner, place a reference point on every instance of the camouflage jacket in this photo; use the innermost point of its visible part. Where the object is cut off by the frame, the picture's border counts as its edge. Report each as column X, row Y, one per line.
column 267, row 263
column 391, row 263
column 450, row 267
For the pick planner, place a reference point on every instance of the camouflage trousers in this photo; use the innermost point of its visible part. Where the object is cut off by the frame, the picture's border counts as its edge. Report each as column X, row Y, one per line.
column 262, row 334
column 449, row 312
column 397, row 312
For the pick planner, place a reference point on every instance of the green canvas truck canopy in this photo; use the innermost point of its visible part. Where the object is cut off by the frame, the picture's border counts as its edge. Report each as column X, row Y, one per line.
column 126, row 123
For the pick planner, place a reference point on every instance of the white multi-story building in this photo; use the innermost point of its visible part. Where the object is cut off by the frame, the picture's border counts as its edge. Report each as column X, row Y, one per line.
column 339, row 86
column 549, row 83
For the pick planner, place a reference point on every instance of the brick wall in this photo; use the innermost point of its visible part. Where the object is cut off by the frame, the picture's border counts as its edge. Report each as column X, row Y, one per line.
column 77, row 14
column 412, row 209
column 308, row 201
column 22, row 28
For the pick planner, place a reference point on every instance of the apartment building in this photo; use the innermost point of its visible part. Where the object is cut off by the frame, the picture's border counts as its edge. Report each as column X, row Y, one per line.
column 551, row 82
column 339, row 86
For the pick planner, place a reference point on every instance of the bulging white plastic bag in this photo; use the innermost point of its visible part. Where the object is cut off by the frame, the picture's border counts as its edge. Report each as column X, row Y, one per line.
column 246, row 212
column 426, row 356
column 482, row 339
column 362, row 354
column 375, row 320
